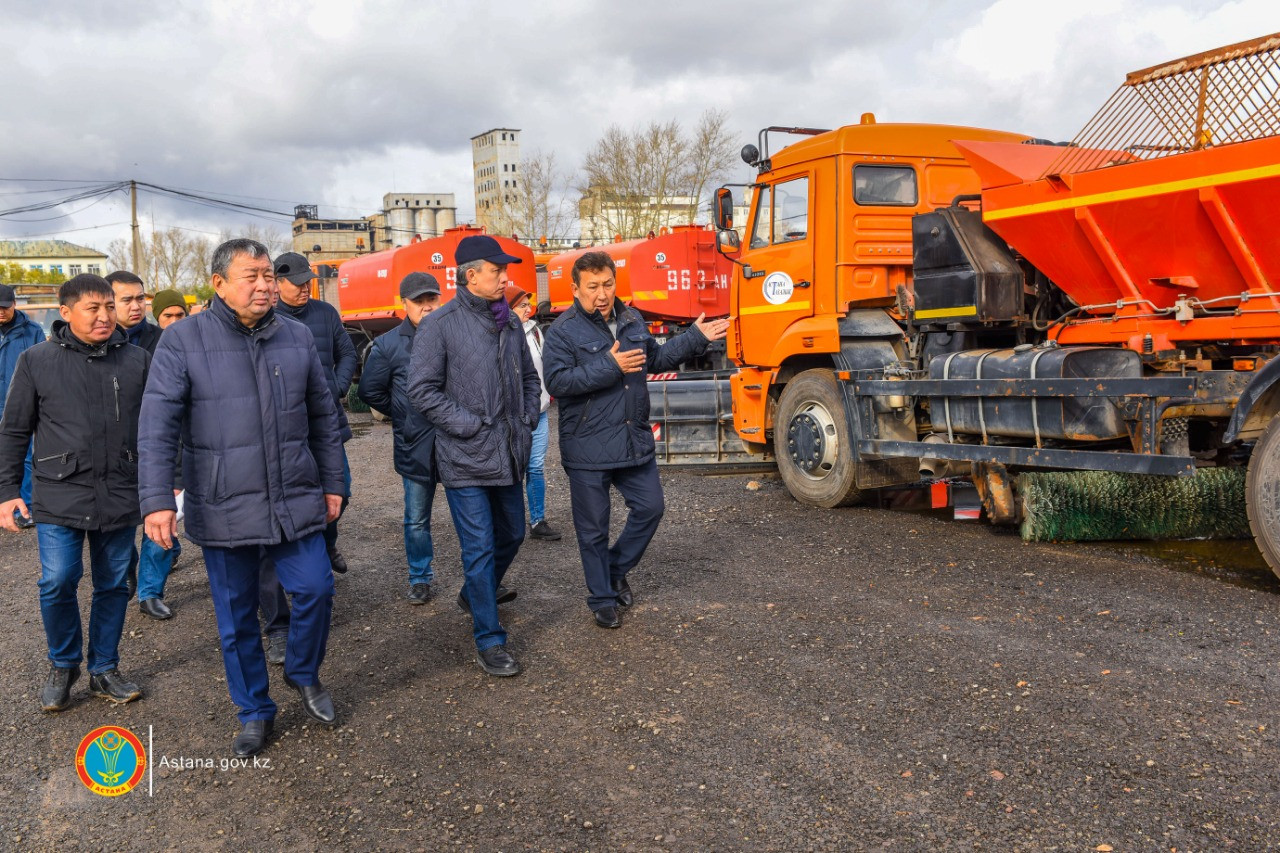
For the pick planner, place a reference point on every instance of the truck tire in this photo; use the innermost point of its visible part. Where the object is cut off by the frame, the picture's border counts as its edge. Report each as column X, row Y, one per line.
column 812, row 444
column 1262, row 494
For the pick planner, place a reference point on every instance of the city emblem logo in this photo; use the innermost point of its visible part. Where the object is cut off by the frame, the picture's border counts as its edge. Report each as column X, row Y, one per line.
column 110, row 761
column 778, row 288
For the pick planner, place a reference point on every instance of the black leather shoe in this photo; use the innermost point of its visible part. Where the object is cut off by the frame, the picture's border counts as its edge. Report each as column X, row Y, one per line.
column 277, row 645
column 155, row 608
column 496, row 660
column 56, row 694
column 544, row 531
column 607, row 617
column 420, row 593
column 252, row 738
column 111, row 685
column 620, row 586
column 316, row 701
column 338, row 562
column 506, row 594
column 131, row 580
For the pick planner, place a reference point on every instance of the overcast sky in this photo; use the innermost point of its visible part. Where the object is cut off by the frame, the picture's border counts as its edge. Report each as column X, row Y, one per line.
column 336, row 102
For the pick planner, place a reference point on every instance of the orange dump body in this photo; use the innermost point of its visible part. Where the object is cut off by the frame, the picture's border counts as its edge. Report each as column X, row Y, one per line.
column 1128, row 240
column 369, row 286
column 672, row 277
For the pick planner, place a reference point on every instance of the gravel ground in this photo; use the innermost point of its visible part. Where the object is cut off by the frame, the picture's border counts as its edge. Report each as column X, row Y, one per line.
column 790, row 679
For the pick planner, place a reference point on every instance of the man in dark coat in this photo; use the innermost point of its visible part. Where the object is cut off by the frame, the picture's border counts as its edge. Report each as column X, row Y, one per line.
column 17, row 335
column 384, row 386
column 472, row 376
column 241, row 391
column 79, row 395
column 339, row 360
column 596, row 356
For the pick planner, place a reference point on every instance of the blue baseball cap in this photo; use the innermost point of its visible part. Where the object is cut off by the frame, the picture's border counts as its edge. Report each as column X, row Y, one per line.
column 482, row 247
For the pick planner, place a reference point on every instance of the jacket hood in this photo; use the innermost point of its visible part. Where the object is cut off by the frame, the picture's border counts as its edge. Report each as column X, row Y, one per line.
column 20, row 319
column 62, row 334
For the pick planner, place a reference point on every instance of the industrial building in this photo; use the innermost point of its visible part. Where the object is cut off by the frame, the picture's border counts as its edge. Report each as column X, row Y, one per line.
column 403, row 217
column 495, row 157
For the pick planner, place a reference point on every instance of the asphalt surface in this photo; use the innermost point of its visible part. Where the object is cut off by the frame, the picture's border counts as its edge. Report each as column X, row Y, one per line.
column 790, row 679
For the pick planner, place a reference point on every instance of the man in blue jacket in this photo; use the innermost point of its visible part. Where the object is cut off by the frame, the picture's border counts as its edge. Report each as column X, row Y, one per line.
column 472, row 376
column 384, row 385
column 240, row 391
column 595, row 359
column 17, row 335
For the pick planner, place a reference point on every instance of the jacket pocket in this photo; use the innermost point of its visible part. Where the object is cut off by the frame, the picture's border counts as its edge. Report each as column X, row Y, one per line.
column 582, row 418
column 55, row 468
column 588, row 351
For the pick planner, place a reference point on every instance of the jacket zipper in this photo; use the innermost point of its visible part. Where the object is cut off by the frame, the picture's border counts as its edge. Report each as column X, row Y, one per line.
column 115, row 383
column 62, row 456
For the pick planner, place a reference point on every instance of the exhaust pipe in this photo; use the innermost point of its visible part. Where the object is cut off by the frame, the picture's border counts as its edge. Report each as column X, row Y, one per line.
column 930, row 468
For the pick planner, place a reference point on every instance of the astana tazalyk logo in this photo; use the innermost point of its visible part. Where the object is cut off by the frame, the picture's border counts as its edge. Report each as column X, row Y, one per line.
column 110, row 761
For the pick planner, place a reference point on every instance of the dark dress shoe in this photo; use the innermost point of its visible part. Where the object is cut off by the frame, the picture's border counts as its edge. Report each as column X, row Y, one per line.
column 607, row 617
column 620, row 586
column 496, row 660
column 420, row 593
column 544, row 531
column 252, row 738
column 111, row 685
column 155, row 608
column 503, row 595
column 316, row 701
column 131, row 580
column 338, row 562
column 277, row 645
column 56, row 694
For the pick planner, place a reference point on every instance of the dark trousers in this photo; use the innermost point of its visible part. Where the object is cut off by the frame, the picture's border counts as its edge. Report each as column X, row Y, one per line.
column 331, row 529
column 303, row 569
column 589, row 496
column 489, row 521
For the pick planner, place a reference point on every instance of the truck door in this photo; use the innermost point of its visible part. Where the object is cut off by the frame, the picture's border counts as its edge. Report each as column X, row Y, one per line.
column 780, row 253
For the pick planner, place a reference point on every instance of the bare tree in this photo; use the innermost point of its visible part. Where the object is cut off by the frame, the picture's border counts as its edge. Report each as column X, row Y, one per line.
column 170, row 259
column 276, row 242
column 635, row 182
column 535, row 207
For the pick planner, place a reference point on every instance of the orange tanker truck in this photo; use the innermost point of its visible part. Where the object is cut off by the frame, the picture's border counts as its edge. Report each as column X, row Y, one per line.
column 1088, row 330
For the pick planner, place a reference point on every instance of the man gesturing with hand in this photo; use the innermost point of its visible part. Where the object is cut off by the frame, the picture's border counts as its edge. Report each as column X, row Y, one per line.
column 594, row 364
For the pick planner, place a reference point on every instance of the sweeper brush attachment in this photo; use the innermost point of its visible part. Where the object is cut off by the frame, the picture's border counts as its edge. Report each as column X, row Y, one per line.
column 1101, row 505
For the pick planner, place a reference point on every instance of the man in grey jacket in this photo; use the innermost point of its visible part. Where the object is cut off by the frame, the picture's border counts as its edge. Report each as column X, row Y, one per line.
column 471, row 375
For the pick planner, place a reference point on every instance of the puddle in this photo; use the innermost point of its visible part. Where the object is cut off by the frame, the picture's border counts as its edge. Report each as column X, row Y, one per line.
column 1234, row 561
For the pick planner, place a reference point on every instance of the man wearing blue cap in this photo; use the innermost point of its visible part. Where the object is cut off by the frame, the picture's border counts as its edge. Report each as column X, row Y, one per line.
column 472, row 376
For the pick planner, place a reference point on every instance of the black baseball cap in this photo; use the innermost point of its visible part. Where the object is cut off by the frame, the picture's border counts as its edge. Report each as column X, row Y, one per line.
column 416, row 284
column 482, row 247
column 7, row 296
column 294, row 267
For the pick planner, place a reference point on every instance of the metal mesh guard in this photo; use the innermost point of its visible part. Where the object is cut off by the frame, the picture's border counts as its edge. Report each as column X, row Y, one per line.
column 1222, row 96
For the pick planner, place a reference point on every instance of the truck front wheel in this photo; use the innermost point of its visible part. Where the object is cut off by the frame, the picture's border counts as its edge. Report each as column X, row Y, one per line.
column 812, row 444
column 1262, row 494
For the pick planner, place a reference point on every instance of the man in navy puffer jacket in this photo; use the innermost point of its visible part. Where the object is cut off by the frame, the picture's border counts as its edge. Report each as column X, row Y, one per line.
column 240, row 389
column 595, row 359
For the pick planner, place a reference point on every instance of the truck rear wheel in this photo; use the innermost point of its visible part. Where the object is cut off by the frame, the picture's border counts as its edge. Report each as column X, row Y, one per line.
column 812, row 443
column 1262, row 494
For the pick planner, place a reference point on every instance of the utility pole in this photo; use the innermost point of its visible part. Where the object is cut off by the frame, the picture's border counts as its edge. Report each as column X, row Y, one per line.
column 137, row 253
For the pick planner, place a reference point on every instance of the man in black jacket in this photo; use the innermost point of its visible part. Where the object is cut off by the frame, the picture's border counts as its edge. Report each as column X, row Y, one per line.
column 241, row 392
column 384, row 386
column 79, row 394
column 595, row 359
column 472, row 376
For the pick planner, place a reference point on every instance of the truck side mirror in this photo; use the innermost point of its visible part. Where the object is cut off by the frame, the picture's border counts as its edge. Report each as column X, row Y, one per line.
column 727, row 242
column 724, row 209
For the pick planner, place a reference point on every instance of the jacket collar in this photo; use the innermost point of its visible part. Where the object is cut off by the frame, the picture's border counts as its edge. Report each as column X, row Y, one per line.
column 63, row 336
column 622, row 314
column 407, row 329
column 481, row 306
column 19, row 320
column 224, row 313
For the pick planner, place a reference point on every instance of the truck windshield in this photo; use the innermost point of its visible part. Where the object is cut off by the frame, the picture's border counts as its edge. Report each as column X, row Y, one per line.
column 791, row 211
column 884, row 185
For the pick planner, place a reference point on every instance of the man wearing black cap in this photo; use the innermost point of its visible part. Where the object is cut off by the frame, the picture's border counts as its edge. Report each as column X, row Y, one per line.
column 339, row 360
column 17, row 335
column 472, row 376
column 383, row 385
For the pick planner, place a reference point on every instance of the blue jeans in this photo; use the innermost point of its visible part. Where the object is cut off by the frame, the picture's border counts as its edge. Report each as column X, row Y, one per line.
column 303, row 568
column 331, row 529
column 61, row 567
column 24, row 491
column 418, row 549
column 589, row 496
column 535, row 483
column 154, row 566
column 490, row 525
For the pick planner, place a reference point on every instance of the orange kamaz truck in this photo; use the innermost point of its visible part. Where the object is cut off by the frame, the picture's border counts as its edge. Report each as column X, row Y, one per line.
column 914, row 300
